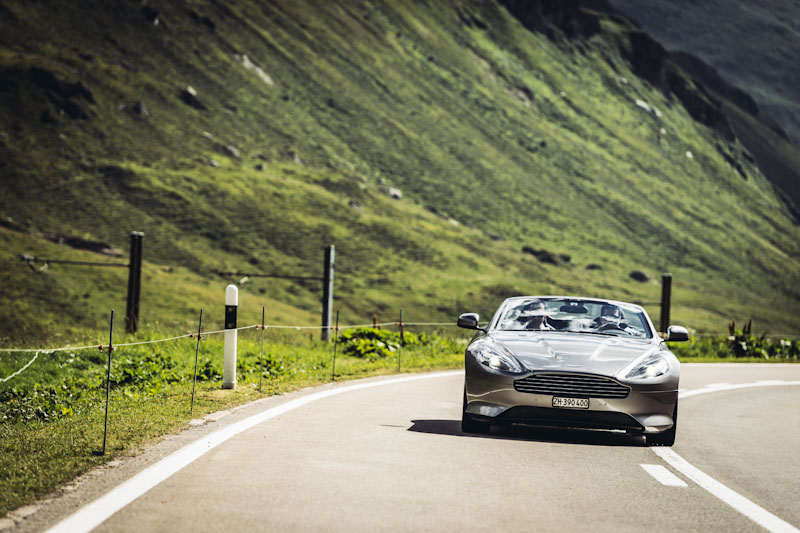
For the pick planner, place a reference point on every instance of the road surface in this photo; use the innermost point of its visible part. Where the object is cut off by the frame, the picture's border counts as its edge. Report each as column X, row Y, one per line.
column 390, row 455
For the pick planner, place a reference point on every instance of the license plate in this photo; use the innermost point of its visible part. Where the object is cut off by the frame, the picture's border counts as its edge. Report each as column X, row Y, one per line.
column 571, row 403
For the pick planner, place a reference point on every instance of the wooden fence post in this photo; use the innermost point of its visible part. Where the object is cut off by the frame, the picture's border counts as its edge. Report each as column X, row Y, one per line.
column 134, row 283
column 666, row 300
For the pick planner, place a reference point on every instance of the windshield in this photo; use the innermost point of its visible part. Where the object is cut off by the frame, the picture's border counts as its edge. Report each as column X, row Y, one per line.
column 574, row 315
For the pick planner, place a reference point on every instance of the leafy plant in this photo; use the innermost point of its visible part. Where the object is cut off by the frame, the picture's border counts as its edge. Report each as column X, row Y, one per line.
column 250, row 367
column 739, row 344
column 208, row 372
column 369, row 343
column 743, row 343
column 151, row 370
column 39, row 403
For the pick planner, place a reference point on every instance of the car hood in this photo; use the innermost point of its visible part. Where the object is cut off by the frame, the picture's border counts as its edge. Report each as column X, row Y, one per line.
column 574, row 352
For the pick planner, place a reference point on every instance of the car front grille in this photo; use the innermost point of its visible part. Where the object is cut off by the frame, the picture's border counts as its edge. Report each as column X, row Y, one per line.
column 577, row 385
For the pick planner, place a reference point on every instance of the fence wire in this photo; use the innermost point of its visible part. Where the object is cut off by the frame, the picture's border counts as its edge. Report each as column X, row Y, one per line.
column 104, row 347
column 23, row 369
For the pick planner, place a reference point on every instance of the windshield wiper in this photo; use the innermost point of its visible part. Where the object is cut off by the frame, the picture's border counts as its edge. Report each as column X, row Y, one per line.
column 596, row 333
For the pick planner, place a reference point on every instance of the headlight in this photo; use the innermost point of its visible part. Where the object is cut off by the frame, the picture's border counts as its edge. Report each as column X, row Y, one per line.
column 652, row 367
column 497, row 360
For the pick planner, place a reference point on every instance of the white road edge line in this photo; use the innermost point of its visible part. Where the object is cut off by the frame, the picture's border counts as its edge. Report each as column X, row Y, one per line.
column 720, row 387
column 754, row 512
column 751, row 510
column 664, row 476
column 92, row 515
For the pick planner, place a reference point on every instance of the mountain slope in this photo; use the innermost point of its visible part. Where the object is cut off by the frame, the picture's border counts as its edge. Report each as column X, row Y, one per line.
column 763, row 63
column 303, row 116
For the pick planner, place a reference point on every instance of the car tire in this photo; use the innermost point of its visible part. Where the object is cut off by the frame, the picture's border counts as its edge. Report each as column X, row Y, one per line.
column 667, row 438
column 469, row 424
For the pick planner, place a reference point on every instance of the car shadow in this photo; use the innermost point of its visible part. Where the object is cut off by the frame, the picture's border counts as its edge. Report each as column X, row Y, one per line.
column 519, row 432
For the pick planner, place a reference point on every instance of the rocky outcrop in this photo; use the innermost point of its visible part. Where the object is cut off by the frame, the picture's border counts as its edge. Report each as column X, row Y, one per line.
column 710, row 78
column 189, row 97
column 650, row 61
column 150, row 14
column 547, row 257
column 580, row 19
column 229, row 150
column 68, row 97
column 205, row 21
column 85, row 244
column 573, row 18
column 139, row 109
column 702, row 107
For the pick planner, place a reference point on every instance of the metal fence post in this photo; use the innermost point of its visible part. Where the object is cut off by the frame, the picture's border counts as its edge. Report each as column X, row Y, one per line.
column 134, row 283
column 261, row 354
column 335, row 342
column 108, row 379
column 666, row 300
column 229, row 364
column 327, row 292
column 402, row 340
column 196, row 356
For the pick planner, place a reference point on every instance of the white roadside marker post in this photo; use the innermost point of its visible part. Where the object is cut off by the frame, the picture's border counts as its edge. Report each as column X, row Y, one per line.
column 229, row 366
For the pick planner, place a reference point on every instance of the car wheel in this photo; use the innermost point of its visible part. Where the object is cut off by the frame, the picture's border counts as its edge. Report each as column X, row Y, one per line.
column 667, row 438
column 469, row 424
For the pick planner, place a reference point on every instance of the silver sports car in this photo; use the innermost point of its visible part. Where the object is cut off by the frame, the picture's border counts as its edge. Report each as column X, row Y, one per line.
column 571, row 362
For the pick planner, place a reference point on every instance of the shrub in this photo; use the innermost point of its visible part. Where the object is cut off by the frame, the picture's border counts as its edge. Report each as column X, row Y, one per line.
column 744, row 344
column 373, row 343
column 739, row 344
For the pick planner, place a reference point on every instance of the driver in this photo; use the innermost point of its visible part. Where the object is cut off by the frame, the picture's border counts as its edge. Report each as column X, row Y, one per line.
column 609, row 314
column 533, row 316
column 612, row 317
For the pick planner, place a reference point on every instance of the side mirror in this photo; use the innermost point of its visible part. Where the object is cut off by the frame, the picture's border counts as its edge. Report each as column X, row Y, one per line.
column 468, row 321
column 677, row 334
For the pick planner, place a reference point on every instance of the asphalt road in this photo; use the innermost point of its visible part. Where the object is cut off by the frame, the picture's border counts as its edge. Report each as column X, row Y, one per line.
column 393, row 457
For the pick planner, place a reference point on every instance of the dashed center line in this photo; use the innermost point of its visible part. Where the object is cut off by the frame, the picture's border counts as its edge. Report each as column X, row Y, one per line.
column 664, row 476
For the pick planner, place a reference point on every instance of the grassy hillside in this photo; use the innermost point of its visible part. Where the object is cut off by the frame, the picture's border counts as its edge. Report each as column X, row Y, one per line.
column 301, row 118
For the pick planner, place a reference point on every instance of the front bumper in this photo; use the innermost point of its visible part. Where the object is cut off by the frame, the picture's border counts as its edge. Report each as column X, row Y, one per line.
column 491, row 397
